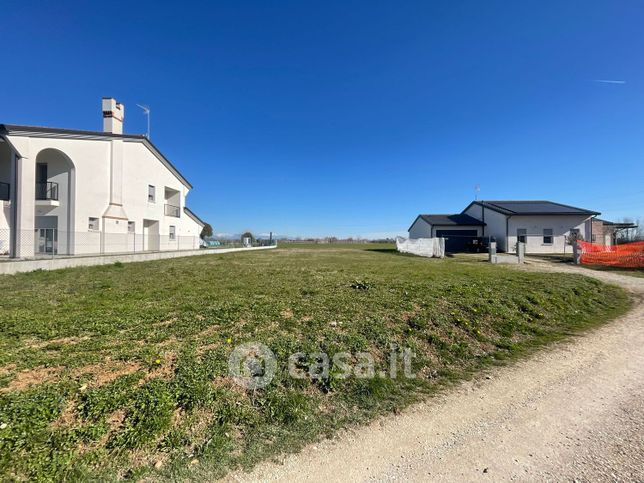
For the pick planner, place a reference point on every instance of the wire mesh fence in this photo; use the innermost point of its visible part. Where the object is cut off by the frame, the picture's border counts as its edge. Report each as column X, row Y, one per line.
column 52, row 242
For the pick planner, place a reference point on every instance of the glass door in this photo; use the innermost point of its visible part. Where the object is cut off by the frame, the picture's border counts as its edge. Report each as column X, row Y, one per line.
column 47, row 241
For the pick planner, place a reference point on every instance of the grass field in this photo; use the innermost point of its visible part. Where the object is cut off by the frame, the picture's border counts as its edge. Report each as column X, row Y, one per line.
column 122, row 371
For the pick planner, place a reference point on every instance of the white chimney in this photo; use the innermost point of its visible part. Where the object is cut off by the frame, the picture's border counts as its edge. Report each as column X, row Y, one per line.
column 113, row 114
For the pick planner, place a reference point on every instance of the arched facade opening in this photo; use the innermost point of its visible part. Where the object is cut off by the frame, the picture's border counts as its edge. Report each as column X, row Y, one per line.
column 54, row 223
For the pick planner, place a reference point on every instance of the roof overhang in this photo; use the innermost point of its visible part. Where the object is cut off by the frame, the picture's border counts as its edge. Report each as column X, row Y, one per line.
column 194, row 217
column 470, row 221
column 49, row 132
column 573, row 210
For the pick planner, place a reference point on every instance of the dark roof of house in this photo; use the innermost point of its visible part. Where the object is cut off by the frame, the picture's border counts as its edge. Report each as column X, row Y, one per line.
column 192, row 215
column 533, row 207
column 79, row 134
column 456, row 219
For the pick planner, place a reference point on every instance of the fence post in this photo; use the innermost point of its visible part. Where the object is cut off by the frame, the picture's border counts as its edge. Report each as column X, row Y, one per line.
column 442, row 245
column 492, row 252
column 576, row 253
column 521, row 251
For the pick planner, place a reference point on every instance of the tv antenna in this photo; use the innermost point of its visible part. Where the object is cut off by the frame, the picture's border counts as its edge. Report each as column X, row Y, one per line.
column 477, row 189
column 146, row 111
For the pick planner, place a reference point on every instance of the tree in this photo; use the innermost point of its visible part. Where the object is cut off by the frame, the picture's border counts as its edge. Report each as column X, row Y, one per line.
column 628, row 235
column 206, row 232
column 573, row 237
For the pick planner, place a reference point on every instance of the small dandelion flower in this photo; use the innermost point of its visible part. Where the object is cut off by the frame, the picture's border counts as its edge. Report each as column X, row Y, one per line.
column 158, row 361
column 229, row 341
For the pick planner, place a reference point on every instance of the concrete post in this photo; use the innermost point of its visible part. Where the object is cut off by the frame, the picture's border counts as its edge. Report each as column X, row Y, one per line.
column 521, row 251
column 492, row 258
column 576, row 253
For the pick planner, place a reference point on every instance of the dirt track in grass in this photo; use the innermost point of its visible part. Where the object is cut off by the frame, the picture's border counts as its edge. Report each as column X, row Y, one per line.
column 574, row 412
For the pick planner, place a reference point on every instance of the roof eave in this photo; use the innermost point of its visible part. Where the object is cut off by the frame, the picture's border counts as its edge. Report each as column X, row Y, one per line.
column 412, row 225
column 194, row 216
column 505, row 211
column 562, row 213
column 12, row 129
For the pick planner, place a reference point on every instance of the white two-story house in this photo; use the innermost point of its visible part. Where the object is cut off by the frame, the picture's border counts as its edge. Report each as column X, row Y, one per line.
column 68, row 192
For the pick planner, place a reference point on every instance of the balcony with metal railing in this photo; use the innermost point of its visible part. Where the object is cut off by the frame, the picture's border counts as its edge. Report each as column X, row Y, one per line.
column 172, row 210
column 47, row 194
column 47, row 191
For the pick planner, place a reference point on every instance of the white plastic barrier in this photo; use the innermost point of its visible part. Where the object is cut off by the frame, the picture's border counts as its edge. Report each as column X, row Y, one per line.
column 424, row 247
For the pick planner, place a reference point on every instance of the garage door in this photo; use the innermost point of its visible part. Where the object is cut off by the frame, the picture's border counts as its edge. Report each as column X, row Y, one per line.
column 456, row 240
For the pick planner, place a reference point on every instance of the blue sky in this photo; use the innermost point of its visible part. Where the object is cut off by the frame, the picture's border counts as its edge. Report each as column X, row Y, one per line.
column 350, row 118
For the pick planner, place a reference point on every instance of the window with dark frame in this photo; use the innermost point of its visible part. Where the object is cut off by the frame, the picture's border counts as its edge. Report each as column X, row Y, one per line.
column 547, row 236
column 93, row 224
column 151, row 194
column 173, row 232
column 131, row 226
column 522, row 235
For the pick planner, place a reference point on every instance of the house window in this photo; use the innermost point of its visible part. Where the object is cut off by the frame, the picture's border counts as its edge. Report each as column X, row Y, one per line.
column 93, row 224
column 151, row 194
column 131, row 226
column 547, row 236
column 173, row 232
column 522, row 235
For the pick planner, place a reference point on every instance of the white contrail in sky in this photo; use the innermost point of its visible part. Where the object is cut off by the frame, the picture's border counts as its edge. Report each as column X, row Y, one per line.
column 609, row 81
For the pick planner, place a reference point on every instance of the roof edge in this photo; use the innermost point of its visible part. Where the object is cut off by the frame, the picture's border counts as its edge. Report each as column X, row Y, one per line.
column 474, row 221
column 505, row 211
column 414, row 222
column 13, row 129
column 193, row 215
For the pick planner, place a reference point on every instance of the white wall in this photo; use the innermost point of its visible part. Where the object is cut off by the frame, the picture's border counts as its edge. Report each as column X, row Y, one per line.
column 495, row 223
column 560, row 224
column 420, row 229
column 140, row 169
column 475, row 211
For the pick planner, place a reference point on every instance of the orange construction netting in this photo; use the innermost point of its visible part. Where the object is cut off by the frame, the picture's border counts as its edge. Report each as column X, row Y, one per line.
column 629, row 255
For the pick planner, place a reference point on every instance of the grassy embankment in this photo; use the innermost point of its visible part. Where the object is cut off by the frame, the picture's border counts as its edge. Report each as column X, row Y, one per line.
column 121, row 371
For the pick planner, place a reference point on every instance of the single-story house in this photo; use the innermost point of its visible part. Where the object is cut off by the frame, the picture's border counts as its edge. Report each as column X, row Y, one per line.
column 544, row 226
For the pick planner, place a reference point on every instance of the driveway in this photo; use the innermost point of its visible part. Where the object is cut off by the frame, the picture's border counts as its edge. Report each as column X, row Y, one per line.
column 571, row 412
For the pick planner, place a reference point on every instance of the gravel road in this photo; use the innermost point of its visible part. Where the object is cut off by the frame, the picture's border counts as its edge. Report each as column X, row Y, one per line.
column 574, row 412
